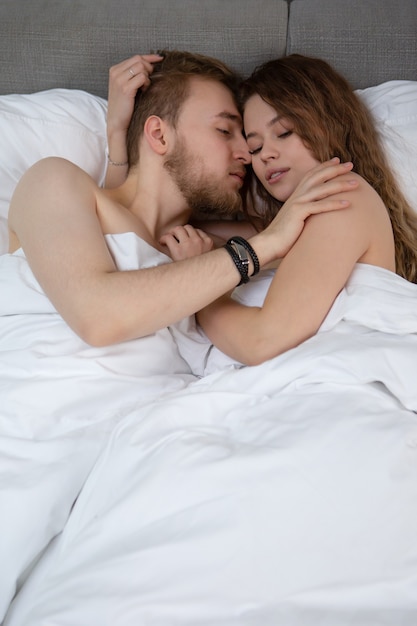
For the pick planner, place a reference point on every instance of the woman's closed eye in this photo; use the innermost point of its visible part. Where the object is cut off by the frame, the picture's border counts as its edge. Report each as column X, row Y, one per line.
column 258, row 149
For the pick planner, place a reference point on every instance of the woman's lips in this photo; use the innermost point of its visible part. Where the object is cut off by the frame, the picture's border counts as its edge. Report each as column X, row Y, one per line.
column 275, row 175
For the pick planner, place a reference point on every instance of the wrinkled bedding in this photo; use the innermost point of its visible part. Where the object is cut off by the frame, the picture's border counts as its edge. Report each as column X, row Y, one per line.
column 281, row 493
column 60, row 400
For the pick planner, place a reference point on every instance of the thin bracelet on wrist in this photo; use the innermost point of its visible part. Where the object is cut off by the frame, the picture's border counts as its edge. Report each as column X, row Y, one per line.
column 116, row 163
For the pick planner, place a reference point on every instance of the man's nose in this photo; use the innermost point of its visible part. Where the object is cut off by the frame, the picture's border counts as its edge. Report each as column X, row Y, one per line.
column 241, row 152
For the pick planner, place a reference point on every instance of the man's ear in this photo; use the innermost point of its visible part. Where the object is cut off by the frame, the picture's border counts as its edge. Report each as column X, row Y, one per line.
column 155, row 132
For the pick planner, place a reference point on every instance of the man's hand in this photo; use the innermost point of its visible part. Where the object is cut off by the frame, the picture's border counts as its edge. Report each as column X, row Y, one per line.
column 184, row 242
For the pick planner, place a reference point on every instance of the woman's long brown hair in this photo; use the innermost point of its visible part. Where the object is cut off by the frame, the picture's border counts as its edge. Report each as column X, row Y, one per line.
column 332, row 121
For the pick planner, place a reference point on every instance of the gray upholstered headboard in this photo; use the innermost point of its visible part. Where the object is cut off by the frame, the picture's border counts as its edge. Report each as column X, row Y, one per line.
column 72, row 43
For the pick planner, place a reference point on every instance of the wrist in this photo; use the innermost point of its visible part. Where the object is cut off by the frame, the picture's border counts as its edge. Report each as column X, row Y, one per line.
column 246, row 253
column 116, row 147
column 116, row 134
column 111, row 161
column 244, row 257
column 265, row 248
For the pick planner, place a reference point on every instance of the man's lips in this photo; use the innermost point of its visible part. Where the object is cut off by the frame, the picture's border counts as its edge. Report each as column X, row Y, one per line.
column 239, row 175
column 273, row 176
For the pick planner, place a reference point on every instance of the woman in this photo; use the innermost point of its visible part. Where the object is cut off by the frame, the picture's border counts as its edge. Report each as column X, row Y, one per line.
column 297, row 112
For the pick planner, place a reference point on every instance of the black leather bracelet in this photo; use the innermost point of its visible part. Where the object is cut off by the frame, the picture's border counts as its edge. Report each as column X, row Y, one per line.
column 248, row 247
column 241, row 266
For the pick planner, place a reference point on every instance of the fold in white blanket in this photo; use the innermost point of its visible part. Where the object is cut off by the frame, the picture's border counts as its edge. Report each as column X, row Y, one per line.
column 60, row 399
column 279, row 494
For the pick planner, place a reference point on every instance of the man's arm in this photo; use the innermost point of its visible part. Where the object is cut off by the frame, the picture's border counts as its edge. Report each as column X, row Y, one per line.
column 54, row 214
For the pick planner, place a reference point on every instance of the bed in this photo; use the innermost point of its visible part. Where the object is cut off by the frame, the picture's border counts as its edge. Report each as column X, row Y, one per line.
column 204, row 493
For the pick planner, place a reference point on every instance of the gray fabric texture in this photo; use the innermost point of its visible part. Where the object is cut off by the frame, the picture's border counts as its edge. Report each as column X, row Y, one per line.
column 72, row 43
column 368, row 41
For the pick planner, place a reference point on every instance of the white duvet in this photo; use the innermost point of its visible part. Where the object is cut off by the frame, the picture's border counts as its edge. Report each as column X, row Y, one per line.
column 59, row 400
column 279, row 494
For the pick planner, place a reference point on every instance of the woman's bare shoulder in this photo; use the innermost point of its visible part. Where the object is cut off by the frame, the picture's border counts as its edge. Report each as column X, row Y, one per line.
column 364, row 189
column 364, row 204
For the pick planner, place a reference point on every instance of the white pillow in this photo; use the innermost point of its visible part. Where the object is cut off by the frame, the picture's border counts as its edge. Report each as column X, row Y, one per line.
column 58, row 122
column 394, row 107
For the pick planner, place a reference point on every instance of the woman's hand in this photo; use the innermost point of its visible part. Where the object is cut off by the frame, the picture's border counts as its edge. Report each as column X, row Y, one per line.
column 320, row 190
column 184, row 242
column 125, row 79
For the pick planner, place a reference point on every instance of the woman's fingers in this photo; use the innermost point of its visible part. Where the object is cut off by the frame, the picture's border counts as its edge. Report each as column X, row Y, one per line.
column 145, row 61
column 329, row 188
column 140, row 68
column 326, row 171
column 125, row 79
column 322, row 206
column 186, row 241
column 134, row 72
column 324, row 180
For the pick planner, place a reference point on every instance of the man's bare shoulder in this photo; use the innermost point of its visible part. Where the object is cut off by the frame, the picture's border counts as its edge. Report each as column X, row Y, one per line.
column 51, row 169
column 51, row 190
column 51, row 176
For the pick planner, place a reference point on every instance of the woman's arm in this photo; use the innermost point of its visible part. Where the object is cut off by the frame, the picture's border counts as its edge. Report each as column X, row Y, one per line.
column 125, row 79
column 305, row 285
column 319, row 191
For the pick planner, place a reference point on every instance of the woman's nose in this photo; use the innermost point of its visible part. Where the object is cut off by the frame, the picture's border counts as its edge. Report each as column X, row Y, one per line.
column 269, row 151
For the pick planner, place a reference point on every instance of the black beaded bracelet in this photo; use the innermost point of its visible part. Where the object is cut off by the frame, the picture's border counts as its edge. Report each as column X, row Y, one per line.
column 241, row 266
column 248, row 247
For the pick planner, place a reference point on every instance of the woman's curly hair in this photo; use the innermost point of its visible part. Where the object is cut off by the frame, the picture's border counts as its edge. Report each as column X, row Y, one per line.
column 332, row 121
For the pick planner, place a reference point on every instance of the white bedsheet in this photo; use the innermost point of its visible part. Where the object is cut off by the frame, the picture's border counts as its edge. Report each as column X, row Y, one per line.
column 279, row 494
column 59, row 400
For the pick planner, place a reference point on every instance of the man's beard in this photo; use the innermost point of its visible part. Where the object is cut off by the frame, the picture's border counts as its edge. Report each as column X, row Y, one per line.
column 204, row 197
